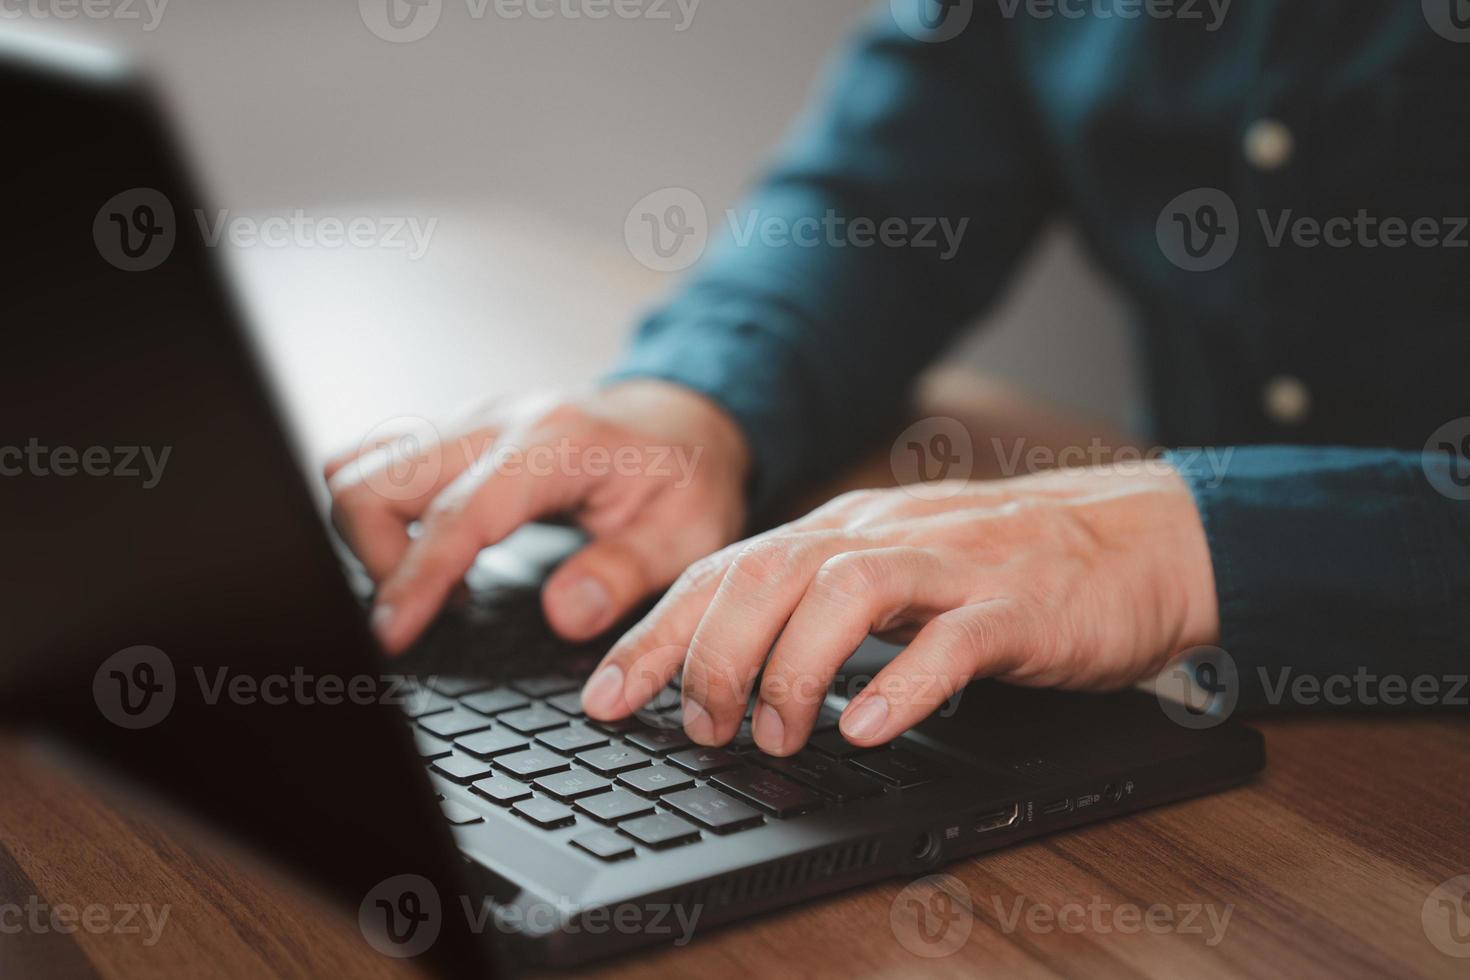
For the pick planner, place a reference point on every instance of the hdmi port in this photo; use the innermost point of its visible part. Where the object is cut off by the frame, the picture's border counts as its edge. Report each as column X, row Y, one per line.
column 1056, row 806
column 998, row 819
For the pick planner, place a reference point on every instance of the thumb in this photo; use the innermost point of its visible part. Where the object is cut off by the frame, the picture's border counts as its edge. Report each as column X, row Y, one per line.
column 610, row 576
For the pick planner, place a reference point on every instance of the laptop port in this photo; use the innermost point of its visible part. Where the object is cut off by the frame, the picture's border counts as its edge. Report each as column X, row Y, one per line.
column 925, row 847
column 1056, row 807
column 998, row 819
column 1112, row 793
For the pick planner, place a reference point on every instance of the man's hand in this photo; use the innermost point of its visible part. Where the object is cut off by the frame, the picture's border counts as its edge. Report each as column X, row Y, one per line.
column 654, row 472
column 1086, row 578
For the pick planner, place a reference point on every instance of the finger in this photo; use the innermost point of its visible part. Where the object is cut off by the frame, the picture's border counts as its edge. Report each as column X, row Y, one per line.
column 852, row 595
column 760, row 588
column 991, row 637
column 476, row 510
column 643, row 661
column 609, row 577
column 380, row 490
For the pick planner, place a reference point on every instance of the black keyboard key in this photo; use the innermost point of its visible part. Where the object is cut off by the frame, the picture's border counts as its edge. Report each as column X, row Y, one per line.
column 618, row 804
column 710, row 808
column 458, row 814
column 422, row 701
column 501, row 789
column 667, row 699
column 616, row 727
column 701, row 761
column 461, row 768
column 832, row 743
column 493, row 702
column 653, row 780
column 658, row 741
column 606, row 844
column 531, row 763
column 613, row 760
column 768, row 790
column 573, row 739
column 536, row 718
column 660, row 830
column 489, row 744
column 827, row 720
column 454, row 687
column 431, row 747
column 572, row 784
column 544, row 813
column 824, row 774
column 569, row 703
column 542, row 687
column 453, row 724
column 900, row 767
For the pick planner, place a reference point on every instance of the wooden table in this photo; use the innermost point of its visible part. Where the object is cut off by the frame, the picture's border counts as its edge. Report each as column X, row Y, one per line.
column 1323, row 864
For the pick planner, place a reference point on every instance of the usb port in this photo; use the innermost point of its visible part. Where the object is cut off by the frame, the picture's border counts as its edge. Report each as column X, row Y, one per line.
column 1056, row 806
column 998, row 819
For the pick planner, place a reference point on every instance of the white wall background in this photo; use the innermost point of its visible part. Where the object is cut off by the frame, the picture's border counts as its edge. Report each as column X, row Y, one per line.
column 297, row 104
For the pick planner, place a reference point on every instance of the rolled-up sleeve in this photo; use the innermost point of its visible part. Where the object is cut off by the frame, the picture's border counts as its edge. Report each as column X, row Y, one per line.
column 1334, row 562
column 812, row 348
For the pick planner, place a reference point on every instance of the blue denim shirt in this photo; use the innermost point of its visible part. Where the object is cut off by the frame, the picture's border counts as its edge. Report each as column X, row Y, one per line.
column 1280, row 187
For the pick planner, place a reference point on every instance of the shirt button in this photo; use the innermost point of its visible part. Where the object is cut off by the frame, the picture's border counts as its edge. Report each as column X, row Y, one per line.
column 1286, row 399
column 1269, row 144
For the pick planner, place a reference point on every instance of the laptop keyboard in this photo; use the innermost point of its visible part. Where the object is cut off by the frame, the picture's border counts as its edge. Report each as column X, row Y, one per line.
column 637, row 785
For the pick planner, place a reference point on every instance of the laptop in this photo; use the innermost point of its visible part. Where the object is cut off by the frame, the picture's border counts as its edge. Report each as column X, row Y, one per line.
column 183, row 616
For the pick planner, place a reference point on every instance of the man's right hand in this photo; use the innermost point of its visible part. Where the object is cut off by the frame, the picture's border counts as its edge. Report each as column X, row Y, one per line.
column 654, row 472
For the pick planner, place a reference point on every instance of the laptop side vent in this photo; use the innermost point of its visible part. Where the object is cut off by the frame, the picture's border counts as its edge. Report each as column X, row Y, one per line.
column 779, row 876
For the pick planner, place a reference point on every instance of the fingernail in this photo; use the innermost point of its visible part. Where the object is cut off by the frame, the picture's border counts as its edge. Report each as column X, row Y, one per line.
column 602, row 695
column 698, row 725
column 382, row 622
column 865, row 720
column 769, row 729
column 585, row 603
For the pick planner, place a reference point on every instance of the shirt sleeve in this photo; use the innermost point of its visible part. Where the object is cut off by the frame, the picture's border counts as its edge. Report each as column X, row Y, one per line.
column 813, row 347
column 1337, row 563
